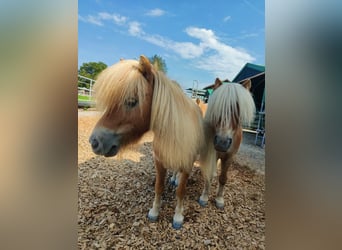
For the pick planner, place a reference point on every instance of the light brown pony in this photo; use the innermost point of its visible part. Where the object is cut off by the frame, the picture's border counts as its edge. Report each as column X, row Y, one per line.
column 230, row 106
column 137, row 98
column 202, row 106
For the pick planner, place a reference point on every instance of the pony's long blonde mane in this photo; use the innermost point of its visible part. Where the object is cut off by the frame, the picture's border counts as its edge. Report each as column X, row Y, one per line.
column 228, row 101
column 177, row 124
column 117, row 83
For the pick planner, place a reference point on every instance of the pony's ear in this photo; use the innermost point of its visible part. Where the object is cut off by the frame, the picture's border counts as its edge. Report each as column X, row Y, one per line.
column 218, row 81
column 146, row 68
column 247, row 84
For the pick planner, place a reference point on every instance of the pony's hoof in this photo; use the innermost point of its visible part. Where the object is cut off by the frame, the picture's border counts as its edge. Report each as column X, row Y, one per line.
column 174, row 182
column 152, row 218
column 177, row 225
column 202, row 203
column 220, row 205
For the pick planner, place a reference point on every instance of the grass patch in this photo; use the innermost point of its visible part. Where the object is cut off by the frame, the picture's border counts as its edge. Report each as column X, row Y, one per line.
column 84, row 98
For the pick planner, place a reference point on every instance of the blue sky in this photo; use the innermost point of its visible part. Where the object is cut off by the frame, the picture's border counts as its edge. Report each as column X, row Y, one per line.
column 199, row 40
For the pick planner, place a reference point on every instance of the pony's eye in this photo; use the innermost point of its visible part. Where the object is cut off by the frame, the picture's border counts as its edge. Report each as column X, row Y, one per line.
column 131, row 102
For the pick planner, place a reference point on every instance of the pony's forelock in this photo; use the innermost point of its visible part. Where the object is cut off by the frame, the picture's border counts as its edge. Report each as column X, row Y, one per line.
column 117, row 83
column 230, row 100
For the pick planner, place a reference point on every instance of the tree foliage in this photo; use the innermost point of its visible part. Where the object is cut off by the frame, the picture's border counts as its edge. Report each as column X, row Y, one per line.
column 159, row 63
column 91, row 69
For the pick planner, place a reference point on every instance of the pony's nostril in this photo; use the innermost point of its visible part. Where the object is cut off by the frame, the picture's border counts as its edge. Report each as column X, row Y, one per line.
column 94, row 143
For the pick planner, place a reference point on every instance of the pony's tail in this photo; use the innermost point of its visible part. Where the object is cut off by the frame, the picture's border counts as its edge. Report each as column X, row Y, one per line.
column 208, row 159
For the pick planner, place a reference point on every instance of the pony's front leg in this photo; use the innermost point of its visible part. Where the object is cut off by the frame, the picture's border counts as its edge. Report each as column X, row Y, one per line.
column 180, row 193
column 159, row 188
column 225, row 163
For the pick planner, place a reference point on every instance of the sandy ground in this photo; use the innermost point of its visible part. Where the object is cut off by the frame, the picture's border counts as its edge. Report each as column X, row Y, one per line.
column 251, row 155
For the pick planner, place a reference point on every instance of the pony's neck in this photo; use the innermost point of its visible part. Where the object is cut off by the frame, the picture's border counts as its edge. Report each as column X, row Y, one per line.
column 177, row 124
column 168, row 104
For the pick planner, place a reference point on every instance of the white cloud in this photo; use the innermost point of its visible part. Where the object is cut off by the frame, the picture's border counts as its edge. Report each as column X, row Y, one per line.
column 206, row 36
column 155, row 12
column 134, row 29
column 223, row 65
column 225, row 19
column 118, row 19
column 208, row 54
column 103, row 16
column 91, row 19
column 223, row 60
column 186, row 50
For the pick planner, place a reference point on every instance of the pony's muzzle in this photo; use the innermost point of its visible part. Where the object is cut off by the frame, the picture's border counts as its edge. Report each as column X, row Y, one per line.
column 104, row 142
column 222, row 143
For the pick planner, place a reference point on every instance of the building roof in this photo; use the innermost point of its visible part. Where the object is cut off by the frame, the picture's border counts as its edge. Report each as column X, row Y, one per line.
column 249, row 70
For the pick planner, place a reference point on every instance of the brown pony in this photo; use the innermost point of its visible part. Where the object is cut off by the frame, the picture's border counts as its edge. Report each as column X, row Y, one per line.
column 137, row 98
column 229, row 107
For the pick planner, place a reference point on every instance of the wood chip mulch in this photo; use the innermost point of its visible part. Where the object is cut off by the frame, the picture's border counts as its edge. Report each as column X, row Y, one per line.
column 116, row 195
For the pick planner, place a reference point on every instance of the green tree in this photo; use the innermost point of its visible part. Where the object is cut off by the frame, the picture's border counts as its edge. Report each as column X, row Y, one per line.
column 91, row 69
column 159, row 63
